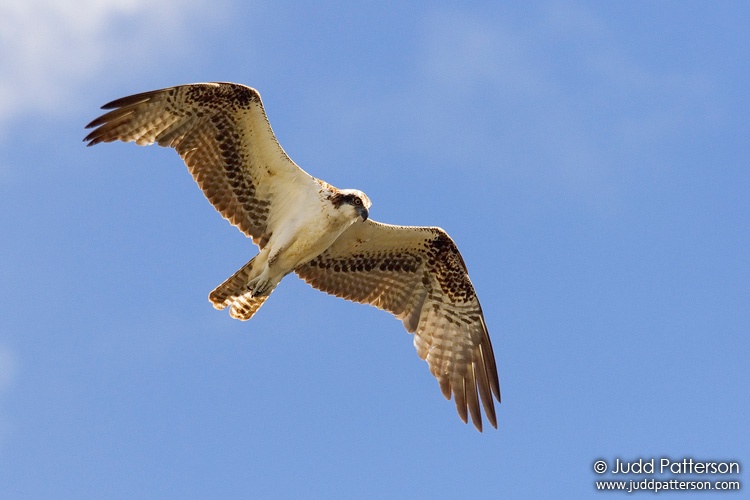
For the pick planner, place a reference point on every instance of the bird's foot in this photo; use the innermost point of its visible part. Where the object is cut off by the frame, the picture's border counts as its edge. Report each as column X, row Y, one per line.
column 260, row 286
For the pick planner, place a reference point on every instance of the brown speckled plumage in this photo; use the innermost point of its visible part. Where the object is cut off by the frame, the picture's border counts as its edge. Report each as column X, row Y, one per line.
column 416, row 273
column 214, row 128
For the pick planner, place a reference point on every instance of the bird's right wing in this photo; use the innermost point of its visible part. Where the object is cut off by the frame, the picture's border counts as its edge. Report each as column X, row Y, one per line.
column 418, row 275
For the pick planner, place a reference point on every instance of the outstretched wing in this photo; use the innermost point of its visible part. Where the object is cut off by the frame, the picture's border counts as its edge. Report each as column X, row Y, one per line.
column 417, row 274
column 221, row 132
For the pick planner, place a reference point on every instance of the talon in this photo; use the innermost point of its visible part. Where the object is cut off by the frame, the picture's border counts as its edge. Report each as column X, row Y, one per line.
column 258, row 287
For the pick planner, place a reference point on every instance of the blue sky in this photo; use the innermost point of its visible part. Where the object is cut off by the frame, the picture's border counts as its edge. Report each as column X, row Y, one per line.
column 590, row 159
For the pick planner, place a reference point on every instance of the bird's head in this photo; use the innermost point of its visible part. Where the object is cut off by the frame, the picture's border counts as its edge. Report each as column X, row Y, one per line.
column 354, row 198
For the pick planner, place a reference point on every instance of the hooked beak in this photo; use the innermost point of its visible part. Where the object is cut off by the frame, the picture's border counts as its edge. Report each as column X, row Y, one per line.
column 363, row 213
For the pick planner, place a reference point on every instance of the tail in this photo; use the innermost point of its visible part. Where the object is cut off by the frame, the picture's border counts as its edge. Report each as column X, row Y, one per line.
column 234, row 292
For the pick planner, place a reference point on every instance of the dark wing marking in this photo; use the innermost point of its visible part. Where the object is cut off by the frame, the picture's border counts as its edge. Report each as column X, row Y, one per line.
column 221, row 132
column 417, row 274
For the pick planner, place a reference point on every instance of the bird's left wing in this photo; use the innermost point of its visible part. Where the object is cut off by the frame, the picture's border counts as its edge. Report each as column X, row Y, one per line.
column 418, row 275
column 221, row 132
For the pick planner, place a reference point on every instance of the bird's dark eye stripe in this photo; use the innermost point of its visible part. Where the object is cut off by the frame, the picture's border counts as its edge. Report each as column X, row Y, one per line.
column 353, row 199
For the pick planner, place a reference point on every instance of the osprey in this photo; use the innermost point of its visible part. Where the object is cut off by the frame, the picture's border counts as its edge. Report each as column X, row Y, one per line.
column 304, row 225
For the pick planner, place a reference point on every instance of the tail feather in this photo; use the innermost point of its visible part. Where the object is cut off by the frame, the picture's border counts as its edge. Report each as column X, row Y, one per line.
column 235, row 293
column 245, row 306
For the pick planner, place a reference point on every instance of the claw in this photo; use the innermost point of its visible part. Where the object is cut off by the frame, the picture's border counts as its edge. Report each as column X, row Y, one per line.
column 260, row 287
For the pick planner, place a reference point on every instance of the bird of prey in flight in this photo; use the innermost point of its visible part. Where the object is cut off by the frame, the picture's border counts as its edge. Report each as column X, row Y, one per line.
column 323, row 234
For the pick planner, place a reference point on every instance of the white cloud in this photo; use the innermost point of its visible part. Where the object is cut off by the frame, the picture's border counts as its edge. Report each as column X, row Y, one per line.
column 8, row 369
column 49, row 48
column 559, row 98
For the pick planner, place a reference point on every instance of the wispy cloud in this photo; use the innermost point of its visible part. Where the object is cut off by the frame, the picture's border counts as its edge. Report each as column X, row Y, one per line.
column 8, row 370
column 49, row 48
column 542, row 99
column 571, row 97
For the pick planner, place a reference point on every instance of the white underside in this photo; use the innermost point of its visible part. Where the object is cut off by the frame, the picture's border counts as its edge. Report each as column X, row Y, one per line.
column 304, row 235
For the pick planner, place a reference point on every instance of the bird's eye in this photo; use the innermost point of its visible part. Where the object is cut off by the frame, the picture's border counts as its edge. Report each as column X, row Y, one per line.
column 357, row 201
